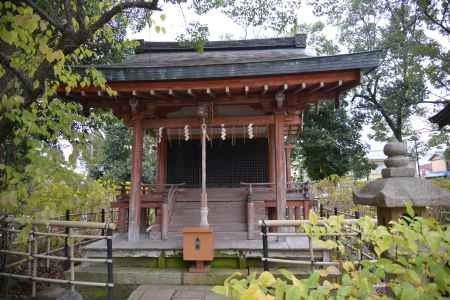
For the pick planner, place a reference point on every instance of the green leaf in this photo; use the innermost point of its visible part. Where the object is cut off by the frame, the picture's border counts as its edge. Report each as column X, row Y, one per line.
column 313, row 218
column 221, row 290
column 409, row 209
column 294, row 293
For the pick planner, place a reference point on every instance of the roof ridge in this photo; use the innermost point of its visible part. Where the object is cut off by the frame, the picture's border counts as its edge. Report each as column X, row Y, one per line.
column 296, row 41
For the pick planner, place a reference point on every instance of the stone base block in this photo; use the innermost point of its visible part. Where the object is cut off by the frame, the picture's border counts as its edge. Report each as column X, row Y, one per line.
column 388, row 214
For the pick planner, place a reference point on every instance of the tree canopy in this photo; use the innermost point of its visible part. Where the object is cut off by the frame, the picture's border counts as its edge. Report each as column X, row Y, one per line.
column 395, row 91
column 330, row 144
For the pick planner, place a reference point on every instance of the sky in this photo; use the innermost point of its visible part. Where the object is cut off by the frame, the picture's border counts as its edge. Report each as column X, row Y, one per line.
column 220, row 26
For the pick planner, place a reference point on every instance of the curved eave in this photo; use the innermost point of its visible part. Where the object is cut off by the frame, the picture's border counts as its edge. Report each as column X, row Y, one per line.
column 442, row 118
column 363, row 61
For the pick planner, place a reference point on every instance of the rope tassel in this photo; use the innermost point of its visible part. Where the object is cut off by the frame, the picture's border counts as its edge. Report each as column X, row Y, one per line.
column 223, row 132
column 250, row 131
column 186, row 133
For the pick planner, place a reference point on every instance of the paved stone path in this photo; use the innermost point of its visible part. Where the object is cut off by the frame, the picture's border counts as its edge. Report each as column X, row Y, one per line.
column 155, row 292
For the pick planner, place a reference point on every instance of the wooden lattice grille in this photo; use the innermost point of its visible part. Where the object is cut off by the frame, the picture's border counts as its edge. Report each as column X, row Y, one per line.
column 228, row 162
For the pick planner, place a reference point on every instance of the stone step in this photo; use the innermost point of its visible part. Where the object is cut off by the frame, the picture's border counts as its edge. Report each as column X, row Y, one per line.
column 216, row 227
column 195, row 220
column 222, row 206
column 220, row 235
column 133, row 276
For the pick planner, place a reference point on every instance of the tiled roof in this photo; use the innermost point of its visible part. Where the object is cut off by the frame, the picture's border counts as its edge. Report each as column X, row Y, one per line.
column 232, row 65
column 442, row 118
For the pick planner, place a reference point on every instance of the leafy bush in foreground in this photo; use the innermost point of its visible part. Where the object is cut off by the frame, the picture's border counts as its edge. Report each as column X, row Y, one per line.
column 412, row 262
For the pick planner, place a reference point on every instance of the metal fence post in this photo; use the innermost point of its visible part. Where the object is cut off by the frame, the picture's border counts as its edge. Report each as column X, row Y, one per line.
column 321, row 212
column 4, row 246
column 34, row 251
column 109, row 263
column 30, row 261
column 103, row 216
column 265, row 246
column 49, row 245
column 66, row 242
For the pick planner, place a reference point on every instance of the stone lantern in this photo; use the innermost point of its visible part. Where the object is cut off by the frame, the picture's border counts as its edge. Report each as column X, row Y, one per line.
column 399, row 186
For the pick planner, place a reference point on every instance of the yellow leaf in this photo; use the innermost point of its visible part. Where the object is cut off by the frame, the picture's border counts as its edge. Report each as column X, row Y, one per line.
column 266, row 279
column 253, row 293
column 323, row 273
column 348, row 266
column 313, row 217
column 332, row 270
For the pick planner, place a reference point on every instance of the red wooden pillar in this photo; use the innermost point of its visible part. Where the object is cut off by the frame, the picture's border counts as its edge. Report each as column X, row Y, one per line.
column 280, row 167
column 136, row 172
column 298, row 212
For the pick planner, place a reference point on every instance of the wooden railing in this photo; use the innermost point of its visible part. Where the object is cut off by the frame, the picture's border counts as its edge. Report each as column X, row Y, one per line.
column 34, row 251
column 172, row 196
column 258, row 186
column 168, row 206
column 159, row 197
column 262, row 195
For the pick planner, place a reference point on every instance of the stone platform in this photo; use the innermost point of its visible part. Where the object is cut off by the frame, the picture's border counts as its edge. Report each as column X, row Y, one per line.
column 157, row 262
column 236, row 254
column 153, row 292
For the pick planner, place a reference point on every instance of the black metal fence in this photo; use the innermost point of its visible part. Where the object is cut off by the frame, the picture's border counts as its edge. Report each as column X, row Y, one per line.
column 350, row 237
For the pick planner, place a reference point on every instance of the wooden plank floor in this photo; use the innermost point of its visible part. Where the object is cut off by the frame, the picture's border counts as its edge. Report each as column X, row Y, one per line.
column 158, row 292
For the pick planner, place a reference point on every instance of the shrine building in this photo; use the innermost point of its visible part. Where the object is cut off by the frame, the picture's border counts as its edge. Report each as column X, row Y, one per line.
column 224, row 121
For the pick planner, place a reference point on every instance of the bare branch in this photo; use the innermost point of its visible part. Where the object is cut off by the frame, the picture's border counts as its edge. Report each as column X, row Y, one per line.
column 435, row 21
column 69, row 15
column 107, row 16
column 436, row 102
column 80, row 15
column 26, row 83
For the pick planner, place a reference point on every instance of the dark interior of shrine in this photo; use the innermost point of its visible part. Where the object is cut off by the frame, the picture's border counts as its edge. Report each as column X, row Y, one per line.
column 228, row 162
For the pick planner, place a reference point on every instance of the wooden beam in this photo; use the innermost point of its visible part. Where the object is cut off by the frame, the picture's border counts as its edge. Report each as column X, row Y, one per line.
column 228, row 121
column 246, row 90
column 190, row 93
column 235, row 83
column 336, row 86
column 284, row 88
column 227, row 91
column 321, row 85
column 210, row 93
column 300, row 89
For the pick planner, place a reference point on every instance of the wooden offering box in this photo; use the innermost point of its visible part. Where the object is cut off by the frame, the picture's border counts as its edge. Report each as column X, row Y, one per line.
column 198, row 246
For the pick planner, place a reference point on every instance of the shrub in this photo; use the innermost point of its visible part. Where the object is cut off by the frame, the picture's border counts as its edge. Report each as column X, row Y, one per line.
column 412, row 262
